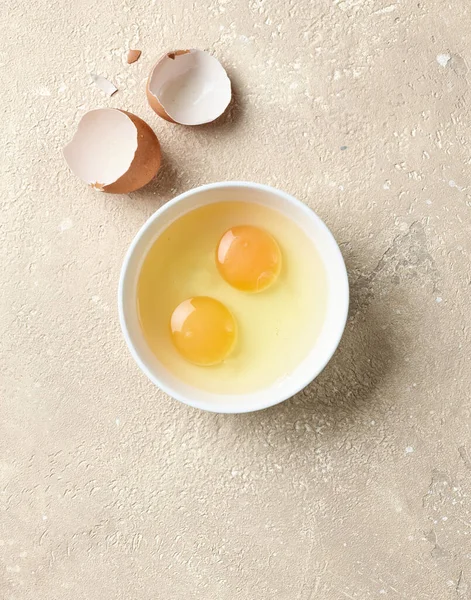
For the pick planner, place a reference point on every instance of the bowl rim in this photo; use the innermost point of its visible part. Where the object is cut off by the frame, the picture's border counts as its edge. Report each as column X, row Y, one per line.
column 274, row 400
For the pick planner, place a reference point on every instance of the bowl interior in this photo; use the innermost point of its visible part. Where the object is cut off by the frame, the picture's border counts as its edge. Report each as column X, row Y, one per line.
column 324, row 345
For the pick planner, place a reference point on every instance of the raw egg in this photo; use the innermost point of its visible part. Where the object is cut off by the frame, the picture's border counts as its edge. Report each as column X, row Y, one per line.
column 248, row 258
column 258, row 339
column 203, row 330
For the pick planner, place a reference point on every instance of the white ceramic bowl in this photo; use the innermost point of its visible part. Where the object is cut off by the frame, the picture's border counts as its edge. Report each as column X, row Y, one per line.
column 324, row 346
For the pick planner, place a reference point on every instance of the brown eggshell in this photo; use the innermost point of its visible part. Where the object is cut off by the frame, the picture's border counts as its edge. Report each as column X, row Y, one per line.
column 189, row 87
column 132, row 143
column 133, row 56
column 146, row 160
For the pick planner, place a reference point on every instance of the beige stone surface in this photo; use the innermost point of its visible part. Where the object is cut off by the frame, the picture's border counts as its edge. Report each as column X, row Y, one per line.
column 359, row 487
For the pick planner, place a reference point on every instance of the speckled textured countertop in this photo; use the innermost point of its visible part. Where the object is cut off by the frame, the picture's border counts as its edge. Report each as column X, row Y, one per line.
column 359, row 487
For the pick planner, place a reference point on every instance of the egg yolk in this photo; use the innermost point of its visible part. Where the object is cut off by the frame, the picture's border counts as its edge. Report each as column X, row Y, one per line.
column 203, row 330
column 248, row 258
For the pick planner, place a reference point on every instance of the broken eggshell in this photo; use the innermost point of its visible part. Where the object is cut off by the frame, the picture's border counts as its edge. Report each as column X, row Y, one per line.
column 104, row 84
column 113, row 151
column 189, row 87
column 133, row 55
